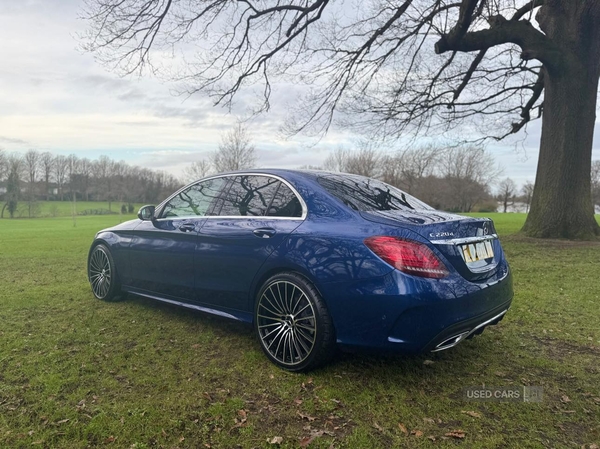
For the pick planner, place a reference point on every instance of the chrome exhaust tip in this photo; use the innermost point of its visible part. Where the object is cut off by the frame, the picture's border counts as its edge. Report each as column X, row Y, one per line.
column 451, row 342
column 456, row 339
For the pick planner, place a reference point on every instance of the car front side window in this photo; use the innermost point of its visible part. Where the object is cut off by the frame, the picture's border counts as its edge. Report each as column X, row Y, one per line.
column 195, row 201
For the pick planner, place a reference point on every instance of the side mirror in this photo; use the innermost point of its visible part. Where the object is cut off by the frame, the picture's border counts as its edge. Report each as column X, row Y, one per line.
column 146, row 213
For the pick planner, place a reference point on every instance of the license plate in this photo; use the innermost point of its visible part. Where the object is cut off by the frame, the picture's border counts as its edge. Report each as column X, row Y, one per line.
column 473, row 252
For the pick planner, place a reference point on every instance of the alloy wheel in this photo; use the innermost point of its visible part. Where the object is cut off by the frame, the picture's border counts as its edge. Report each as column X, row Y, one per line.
column 286, row 322
column 100, row 273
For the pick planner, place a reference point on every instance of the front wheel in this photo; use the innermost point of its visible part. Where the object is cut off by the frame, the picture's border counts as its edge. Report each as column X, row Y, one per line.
column 292, row 323
column 102, row 274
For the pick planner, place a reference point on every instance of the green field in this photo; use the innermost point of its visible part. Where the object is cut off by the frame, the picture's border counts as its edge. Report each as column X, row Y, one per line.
column 46, row 209
column 77, row 372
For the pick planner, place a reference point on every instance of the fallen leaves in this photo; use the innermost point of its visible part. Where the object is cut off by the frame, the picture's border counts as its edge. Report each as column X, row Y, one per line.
column 471, row 413
column 275, row 440
column 242, row 419
column 307, row 417
column 304, row 442
column 417, row 433
column 458, row 434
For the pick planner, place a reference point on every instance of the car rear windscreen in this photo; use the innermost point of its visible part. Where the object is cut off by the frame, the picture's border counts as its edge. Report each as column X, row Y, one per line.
column 367, row 195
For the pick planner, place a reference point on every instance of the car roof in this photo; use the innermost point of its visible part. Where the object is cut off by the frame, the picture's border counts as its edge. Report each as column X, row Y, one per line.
column 292, row 173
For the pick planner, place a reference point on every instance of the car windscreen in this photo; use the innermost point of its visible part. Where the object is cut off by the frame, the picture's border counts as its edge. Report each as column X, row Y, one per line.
column 367, row 195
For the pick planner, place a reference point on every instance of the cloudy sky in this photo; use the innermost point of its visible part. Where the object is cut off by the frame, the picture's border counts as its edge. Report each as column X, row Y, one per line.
column 53, row 97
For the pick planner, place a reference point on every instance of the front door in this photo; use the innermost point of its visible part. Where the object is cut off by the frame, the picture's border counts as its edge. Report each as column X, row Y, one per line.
column 163, row 250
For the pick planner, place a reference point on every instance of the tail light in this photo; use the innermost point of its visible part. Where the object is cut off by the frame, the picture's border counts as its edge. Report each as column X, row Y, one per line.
column 408, row 256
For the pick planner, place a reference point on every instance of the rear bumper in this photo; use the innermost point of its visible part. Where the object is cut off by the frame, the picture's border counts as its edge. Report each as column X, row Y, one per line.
column 406, row 314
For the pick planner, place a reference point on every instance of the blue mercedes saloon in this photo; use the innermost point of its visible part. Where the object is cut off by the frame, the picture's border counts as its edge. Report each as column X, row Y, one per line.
column 314, row 261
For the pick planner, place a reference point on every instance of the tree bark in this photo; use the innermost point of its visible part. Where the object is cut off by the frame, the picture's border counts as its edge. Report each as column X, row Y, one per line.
column 561, row 206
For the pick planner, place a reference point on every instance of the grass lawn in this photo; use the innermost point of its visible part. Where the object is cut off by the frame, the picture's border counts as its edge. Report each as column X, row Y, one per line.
column 44, row 209
column 78, row 372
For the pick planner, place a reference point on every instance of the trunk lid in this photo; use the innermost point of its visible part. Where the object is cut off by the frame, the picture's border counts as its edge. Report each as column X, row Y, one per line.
column 470, row 244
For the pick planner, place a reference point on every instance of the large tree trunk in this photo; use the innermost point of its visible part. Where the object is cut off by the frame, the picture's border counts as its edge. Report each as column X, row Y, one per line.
column 561, row 206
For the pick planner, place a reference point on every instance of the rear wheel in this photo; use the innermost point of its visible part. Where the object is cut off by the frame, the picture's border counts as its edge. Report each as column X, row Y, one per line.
column 292, row 323
column 102, row 274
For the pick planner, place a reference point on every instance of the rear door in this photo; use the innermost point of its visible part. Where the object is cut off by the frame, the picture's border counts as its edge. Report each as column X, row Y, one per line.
column 163, row 250
column 253, row 216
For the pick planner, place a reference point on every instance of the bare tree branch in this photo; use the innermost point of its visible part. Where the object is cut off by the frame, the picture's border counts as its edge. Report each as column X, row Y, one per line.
column 371, row 62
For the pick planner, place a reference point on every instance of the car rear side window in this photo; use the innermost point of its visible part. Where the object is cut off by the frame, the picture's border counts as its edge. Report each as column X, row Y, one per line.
column 196, row 200
column 285, row 203
column 249, row 195
column 365, row 194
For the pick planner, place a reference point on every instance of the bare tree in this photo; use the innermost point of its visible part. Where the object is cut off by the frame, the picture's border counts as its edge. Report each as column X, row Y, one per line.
column 32, row 165
column 106, row 179
column 82, row 177
column 72, row 169
column 468, row 171
column 236, row 151
column 196, row 170
column 46, row 167
column 13, row 184
column 60, row 173
column 527, row 192
column 118, row 173
column 336, row 161
column 103, row 170
column 3, row 164
column 406, row 169
column 469, row 162
column 506, row 192
column 502, row 62
column 364, row 160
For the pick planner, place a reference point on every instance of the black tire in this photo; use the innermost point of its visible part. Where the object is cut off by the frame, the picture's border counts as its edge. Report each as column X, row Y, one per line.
column 292, row 323
column 102, row 274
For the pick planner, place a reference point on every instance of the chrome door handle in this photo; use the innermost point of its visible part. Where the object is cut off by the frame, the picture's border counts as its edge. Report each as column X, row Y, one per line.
column 187, row 227
column 264, row 233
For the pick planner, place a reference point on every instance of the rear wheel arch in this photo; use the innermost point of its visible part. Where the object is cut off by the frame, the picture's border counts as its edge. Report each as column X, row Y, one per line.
column 262, row 278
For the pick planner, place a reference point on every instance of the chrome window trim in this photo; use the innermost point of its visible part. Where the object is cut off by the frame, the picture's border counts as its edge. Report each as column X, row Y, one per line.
column 232, row 175
column 462, row 241
column 246, row 217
